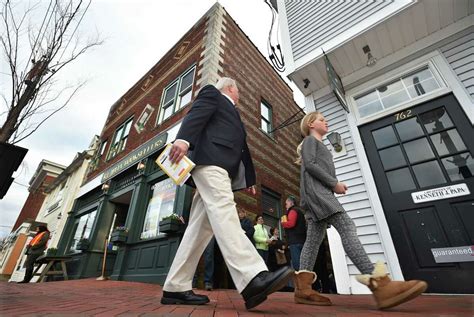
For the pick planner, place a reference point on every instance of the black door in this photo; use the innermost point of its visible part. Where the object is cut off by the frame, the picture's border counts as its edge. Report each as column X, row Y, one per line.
column 425, row 147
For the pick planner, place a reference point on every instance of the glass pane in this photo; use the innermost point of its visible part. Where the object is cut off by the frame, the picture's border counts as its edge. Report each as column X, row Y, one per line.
column 265, row 126
column 265, row 112
column 409, row 129
column 418, row 150
column 187, row 81
column 428, row 174
column 420, row 83
column 459, row 166
column 185, row 99
column 118, row 135
column 400, row 180
column 102, row 148
column 127, row 128
column 370, row 108
column 436, row 120
column 170, row 93
column 366, row 99
column 384, row 137
column 392, row 157
column 393, row 94
column 83, row 228
column 168, row 111
column 161, row 204
column 448, row 142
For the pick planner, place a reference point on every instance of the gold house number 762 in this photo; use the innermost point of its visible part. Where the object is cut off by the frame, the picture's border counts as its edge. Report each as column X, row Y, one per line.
column 402, row 115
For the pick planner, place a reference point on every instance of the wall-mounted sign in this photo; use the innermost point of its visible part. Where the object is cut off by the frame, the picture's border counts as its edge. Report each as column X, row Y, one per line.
column 440, row 193
column 454, row 254
column 335, row 83
column 143, row 151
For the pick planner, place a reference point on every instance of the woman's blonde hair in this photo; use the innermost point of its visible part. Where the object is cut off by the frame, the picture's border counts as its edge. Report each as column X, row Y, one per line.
column 304, row 128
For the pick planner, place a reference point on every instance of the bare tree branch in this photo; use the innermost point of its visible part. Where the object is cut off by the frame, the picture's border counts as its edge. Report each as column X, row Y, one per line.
column 48, row 51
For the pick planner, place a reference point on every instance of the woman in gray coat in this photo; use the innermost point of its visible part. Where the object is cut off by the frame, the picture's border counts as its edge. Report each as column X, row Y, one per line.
column 317, row 187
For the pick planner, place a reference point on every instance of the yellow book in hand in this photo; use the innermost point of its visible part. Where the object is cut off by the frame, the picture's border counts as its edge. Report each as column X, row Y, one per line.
column 179, row 172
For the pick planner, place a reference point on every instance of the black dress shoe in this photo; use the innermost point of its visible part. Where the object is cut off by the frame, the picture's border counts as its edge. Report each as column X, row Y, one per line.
column 184, row 298
column 264, row 284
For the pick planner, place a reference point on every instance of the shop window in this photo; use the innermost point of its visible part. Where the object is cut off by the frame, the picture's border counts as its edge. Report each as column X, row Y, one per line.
column 161, row 204
column 394, row 93
column 266, row 115
column 177, row 95
column 120, row 138
column 83, row 228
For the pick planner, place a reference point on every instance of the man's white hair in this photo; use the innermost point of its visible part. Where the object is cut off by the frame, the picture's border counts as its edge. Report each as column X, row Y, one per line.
column 225, row 82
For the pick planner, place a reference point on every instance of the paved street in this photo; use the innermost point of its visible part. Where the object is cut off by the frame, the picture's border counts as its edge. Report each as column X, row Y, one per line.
column 111, row 298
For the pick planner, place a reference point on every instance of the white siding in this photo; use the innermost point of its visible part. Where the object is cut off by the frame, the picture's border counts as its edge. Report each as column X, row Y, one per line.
column 356, row 202
column 460, row 55
column 312, row 24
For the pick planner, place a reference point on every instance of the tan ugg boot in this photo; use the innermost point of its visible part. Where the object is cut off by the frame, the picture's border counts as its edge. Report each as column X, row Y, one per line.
column 304, row 294
column 388, row 293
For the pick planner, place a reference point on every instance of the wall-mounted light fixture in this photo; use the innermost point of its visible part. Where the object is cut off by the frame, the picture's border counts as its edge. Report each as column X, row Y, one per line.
column 337, row 144
column 105, row 187
column 371, row 60
column 141, row 166
column 306, row 83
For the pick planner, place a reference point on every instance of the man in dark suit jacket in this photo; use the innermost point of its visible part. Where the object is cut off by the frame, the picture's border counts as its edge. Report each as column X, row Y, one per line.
column 215, row 136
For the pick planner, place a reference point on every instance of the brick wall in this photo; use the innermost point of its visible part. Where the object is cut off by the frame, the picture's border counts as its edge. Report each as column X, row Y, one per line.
column 257, row 80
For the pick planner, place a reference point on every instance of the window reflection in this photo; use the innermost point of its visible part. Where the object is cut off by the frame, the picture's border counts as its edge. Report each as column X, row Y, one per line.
column 436, row 120
column 384, row 137
column 392, row 157
column 409, row 129
column 448, row 142
column 418, row 150
column 428, row 174
column 400, row 180
column 460, row 166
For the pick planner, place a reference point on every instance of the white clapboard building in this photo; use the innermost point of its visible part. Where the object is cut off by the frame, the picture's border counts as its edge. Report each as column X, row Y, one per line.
column 407, row 74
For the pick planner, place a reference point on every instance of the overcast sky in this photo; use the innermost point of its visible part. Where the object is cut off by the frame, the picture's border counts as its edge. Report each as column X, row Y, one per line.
column 137, row 34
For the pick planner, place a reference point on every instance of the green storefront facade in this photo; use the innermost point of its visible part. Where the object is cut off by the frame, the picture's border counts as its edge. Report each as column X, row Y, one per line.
column 134, row 194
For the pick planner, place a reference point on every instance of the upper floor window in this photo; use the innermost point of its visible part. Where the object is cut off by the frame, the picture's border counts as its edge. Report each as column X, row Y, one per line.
column 177, row 95
column 119, row 140
column 266, row 117
column 399, row 91
column 103, row 145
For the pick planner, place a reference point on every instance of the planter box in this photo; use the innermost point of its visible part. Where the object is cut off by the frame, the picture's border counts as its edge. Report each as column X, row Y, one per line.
column 171, row 226
column 82, row 245
column 118, row 237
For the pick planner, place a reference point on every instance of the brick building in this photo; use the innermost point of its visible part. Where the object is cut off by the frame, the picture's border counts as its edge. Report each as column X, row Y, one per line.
column 125, row 188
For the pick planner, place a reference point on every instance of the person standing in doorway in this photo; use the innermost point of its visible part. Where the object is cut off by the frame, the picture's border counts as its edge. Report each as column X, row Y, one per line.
column 318, row 183
column 34, row 250
column 295, row 228
column 261, row 238
column 215, row 135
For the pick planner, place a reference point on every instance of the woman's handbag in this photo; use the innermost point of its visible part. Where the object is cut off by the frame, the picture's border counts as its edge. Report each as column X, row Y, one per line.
column 280, row 258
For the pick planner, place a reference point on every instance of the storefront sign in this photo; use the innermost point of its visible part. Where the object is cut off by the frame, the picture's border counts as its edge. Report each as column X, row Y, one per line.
column 454, row 254
column 440, row 193
column 136, row 156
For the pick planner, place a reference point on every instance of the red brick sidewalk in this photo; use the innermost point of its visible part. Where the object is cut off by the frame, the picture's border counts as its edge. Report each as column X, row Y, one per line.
column 111, row 298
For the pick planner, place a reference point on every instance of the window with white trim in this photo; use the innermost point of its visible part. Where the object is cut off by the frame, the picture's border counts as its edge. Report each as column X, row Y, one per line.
column 266, row 115
column 120, row 138
column 177, row 95
column 394, row 93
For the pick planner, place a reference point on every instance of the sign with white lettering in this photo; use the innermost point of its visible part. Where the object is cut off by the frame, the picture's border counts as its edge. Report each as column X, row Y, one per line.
column 136, row 156
column 454, row 254
column 440, row 193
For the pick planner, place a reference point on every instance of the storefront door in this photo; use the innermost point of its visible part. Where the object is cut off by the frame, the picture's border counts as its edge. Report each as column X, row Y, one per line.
column 422, row 162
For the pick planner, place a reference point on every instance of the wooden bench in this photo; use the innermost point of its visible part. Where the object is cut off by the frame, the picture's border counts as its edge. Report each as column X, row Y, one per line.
column 50, row 261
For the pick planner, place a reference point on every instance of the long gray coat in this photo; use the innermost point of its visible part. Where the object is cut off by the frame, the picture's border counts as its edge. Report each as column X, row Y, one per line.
column 318, row 178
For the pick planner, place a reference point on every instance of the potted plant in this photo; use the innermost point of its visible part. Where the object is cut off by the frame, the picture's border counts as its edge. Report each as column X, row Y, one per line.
column 51, row 252
column 171, row 223
column 83, row 244
column 119, row 235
